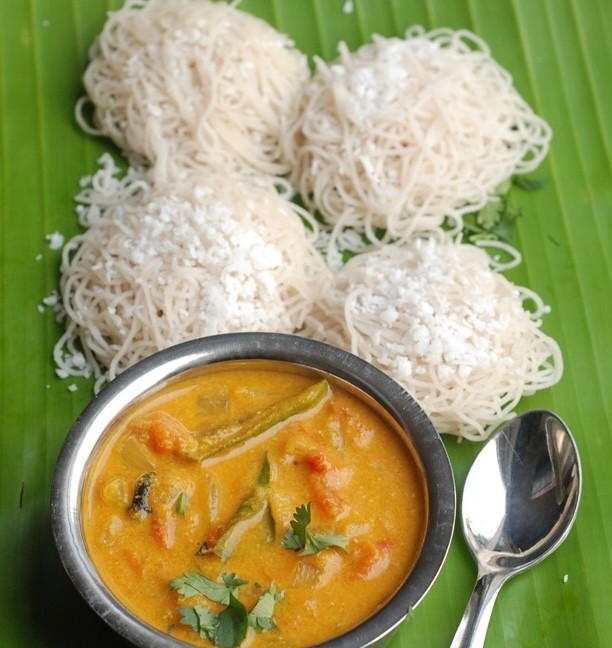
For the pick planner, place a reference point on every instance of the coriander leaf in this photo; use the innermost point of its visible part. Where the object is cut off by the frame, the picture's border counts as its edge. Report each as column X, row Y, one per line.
column 229, row 627
column 233, row 581
column 504, row 230
column 318, row 541
column 309, row 542
column 232, row 624
column 503, row 188
column 490, row 215
column 497, row 219
column 261, row 614
column 292, row 541
column 296, row 538
column 194, row 583
column 200, row 619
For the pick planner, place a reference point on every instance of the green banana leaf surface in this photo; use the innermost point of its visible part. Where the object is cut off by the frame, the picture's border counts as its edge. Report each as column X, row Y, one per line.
column 560, row 55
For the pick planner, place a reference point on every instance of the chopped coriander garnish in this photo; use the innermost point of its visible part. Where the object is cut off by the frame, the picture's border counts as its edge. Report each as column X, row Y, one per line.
column 497, row 219
column 201, row 619
column 194, row 583
column 261, row 615
column 299, row 538
column 232, row 624
column 228, row 627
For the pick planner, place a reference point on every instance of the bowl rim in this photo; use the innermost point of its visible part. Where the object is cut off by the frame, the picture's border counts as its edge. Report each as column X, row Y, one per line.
column 71, row 464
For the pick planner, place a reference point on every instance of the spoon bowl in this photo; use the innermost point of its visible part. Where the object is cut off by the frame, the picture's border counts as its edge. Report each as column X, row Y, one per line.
column 519, row 502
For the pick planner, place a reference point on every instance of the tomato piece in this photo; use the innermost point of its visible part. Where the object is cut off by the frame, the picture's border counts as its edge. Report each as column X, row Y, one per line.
column 329, row 503
column 165, row 434
column 317, row 462
column 209, row 544
column 369, row 559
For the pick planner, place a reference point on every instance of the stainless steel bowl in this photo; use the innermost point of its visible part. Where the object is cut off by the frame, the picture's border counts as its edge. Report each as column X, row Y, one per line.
column 146, row 376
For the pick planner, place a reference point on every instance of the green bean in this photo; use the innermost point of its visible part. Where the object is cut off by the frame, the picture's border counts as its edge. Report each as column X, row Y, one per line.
column 227, row 437
column 250, row 512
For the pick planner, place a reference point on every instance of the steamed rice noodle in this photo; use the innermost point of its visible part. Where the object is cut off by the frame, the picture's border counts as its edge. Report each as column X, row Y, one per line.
column 407, row 133
column 157, row 267
column 438, row 317
column 191, row 84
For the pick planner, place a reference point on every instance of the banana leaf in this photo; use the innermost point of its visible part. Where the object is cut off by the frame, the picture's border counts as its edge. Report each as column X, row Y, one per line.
column 560, row 55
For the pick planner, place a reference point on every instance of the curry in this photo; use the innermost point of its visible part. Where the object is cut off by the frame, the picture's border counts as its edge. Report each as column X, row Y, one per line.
column 246, row 504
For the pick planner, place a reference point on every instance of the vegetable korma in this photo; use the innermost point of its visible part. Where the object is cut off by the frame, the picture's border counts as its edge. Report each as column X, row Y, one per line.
column 248, row 502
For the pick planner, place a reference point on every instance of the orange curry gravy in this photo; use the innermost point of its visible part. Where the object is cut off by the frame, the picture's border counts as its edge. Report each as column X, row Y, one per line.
column 345, row 457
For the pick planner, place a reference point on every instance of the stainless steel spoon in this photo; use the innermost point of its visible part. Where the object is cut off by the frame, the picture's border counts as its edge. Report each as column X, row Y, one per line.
column 519, row 503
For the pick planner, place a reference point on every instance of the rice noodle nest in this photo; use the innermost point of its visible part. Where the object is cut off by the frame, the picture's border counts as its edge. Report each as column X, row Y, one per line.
column 439, row 318
column 155, row 267
column 405, row 133
column 190, row 84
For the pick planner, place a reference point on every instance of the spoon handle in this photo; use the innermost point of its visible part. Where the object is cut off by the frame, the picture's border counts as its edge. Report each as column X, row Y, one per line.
column 475, row 621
